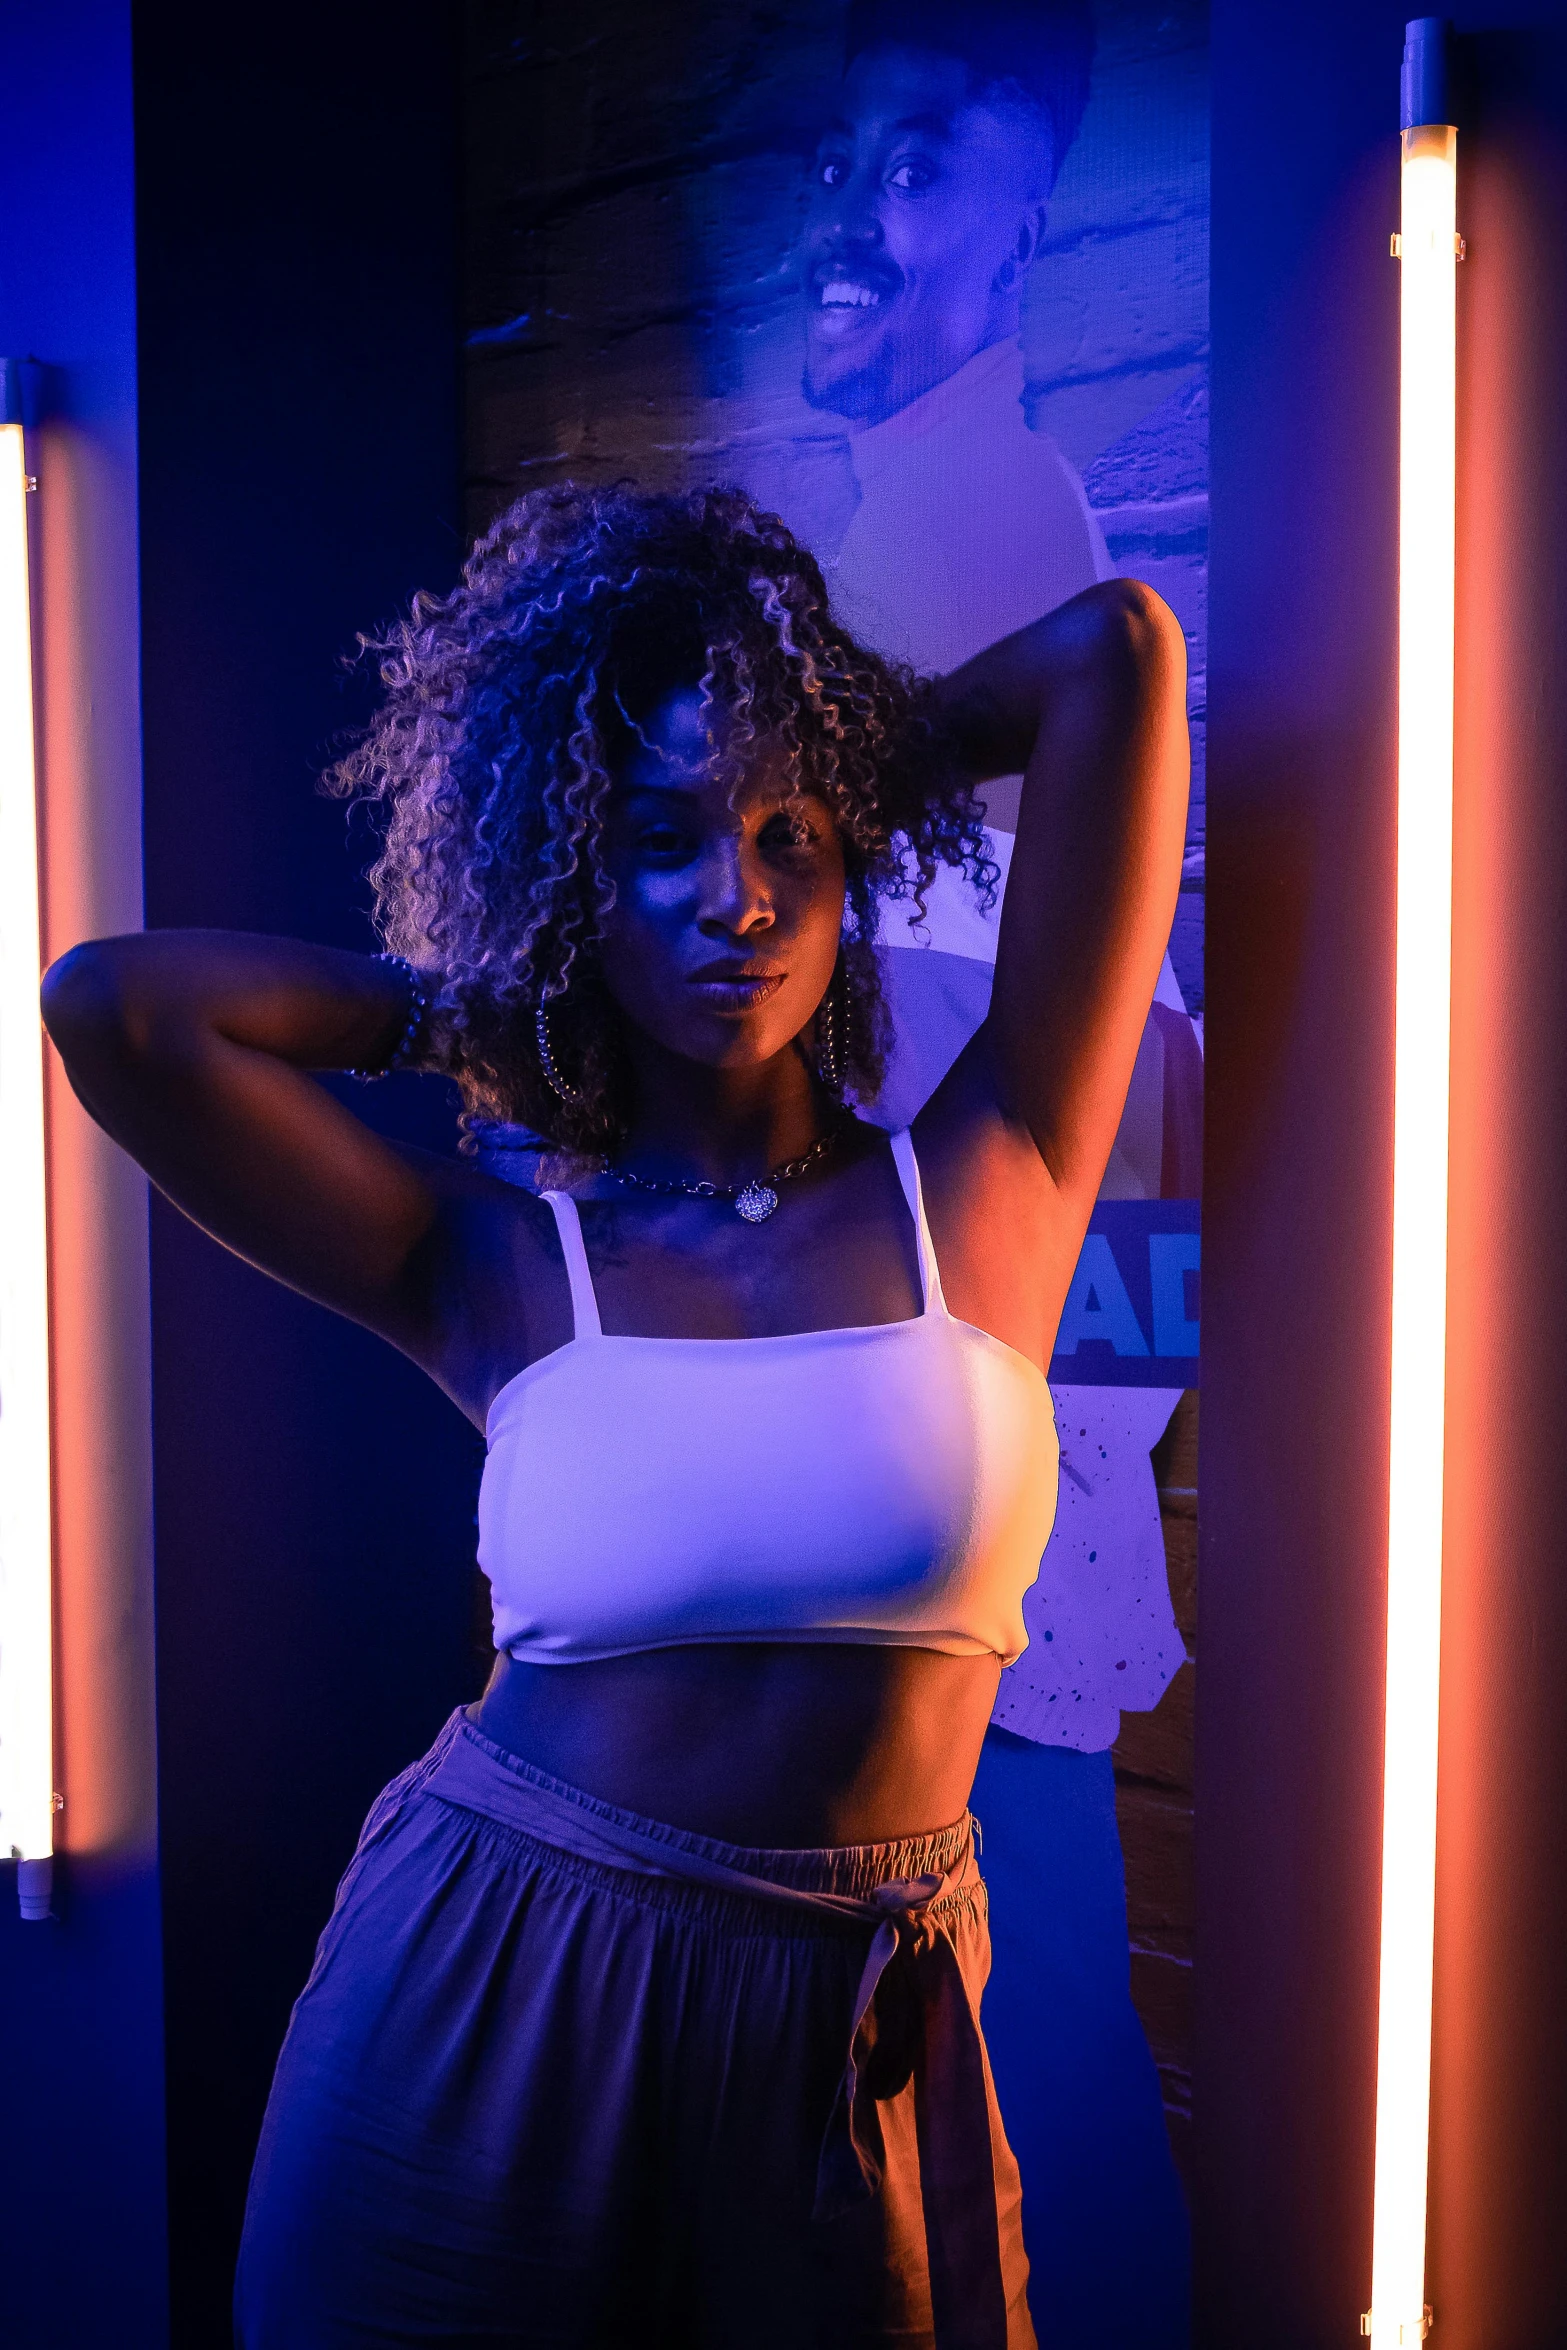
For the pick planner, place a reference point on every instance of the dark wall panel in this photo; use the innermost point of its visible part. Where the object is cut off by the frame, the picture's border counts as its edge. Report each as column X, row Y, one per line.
column 314, row 1495
column 1296, row 1185
column 1296, row 1249
column 1499, row 2112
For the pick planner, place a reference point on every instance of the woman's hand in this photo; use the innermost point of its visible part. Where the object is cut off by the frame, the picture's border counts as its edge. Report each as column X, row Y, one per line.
column 192, row 1049
column 1090, row 704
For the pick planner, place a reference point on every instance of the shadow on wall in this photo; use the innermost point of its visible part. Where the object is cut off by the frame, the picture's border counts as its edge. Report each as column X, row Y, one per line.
column 314, row 1494
column 1499, row 2091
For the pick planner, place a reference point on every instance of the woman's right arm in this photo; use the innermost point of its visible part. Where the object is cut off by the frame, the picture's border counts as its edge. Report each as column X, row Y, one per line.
column 192, row 1049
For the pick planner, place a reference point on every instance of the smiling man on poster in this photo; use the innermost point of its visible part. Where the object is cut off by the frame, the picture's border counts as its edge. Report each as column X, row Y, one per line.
column 928, row 205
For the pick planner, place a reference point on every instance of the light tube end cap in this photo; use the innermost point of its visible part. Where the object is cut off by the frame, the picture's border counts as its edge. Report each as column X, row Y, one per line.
column 35, row 1887
column 1422, row 85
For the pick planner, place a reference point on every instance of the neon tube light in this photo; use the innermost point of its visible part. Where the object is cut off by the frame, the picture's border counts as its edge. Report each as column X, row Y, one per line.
column 26, row 1530
column 1427, row 248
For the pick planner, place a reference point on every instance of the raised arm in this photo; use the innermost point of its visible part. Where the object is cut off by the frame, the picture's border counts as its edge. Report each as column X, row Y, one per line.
column 1090, row 704
column 192, row 1049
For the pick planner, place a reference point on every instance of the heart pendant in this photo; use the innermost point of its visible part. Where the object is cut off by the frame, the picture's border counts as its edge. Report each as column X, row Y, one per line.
column 756, row 1203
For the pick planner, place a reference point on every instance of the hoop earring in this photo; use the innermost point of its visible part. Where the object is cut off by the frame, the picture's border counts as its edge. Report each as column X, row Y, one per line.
column 832, row 1031
column 569, row 1094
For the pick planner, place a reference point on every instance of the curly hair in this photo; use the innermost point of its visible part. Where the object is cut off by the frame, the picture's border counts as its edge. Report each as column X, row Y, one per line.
column 510, row 706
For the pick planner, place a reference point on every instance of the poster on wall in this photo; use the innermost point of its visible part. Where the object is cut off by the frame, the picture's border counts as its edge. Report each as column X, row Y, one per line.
column 929, row 280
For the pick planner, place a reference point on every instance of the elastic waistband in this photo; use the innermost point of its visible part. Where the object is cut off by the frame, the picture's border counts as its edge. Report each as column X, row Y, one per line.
column 467, row 1768
column 908, row 1893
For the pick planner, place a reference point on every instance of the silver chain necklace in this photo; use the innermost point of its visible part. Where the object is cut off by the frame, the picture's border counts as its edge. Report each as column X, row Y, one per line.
column 754, row 1201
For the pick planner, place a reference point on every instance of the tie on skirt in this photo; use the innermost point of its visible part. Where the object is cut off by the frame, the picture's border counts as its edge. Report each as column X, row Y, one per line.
column 567, row 2079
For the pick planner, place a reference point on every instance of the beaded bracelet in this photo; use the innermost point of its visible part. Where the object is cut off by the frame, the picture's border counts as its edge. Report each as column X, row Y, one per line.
column 418, row 1006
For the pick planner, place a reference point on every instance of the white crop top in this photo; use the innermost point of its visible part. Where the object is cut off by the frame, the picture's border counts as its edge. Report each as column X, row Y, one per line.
column 892, row 1484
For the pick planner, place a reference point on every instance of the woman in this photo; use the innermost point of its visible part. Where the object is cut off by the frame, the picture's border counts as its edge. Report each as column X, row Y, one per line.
column 648, row 2007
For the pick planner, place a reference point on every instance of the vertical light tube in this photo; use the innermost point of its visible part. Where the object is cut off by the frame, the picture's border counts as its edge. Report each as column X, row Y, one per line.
column 26, row 1529
column 1428, row 253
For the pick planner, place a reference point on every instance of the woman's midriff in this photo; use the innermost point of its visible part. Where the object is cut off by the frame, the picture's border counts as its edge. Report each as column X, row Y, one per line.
column 782, row 1744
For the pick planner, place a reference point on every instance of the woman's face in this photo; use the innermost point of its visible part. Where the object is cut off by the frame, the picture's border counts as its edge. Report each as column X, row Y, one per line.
column 728, row 902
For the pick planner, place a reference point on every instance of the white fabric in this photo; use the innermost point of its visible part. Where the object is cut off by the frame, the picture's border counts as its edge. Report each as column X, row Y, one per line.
column 892, row 1484
column 969, row 525
column 585, row 1321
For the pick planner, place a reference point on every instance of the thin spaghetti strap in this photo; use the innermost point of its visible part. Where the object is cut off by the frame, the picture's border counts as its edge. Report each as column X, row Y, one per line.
column 909, row 1176
column 584, row 1304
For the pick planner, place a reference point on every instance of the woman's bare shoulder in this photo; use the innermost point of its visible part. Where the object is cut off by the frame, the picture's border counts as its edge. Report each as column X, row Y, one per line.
column 1001, row 1231
column 483, row 1209
column 495, row 1282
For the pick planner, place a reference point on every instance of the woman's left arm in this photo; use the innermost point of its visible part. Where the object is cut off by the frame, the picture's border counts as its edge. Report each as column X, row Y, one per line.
column 1090, row 704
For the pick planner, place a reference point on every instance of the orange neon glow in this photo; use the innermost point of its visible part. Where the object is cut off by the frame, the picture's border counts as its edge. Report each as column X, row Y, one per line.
column 26, row 1530
column 1420, row 1189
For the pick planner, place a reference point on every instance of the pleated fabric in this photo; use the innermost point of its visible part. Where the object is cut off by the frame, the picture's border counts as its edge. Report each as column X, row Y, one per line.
column 535, row 2100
